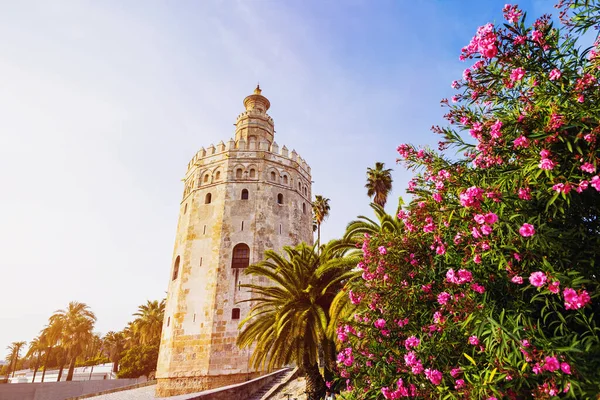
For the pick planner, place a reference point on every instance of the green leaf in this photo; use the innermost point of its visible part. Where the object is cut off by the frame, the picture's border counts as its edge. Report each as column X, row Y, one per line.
column 470, row 359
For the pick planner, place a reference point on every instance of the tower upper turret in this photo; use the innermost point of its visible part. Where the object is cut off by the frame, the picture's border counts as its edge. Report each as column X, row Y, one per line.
column 254, row 125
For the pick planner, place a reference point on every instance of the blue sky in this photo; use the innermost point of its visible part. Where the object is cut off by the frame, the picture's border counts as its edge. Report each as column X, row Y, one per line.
column 102, row 105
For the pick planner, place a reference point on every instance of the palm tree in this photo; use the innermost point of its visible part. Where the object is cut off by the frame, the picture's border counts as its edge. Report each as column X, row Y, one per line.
column 13, row 354
column 78, row 322
column 50, row 337
column 356, row 229
column 36, row 347
column 320, row 211
column 93, row 347
column 149, row 321
column 114, row 343
column 379, row 183
column 131, row 335
column 288, row 321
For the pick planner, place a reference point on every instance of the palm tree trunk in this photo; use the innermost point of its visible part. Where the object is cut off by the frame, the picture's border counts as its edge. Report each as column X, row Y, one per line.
column 46, row 362
column 319, row 238
column 315, row 385
column 11, row 367
column 116, row 365
column 37, row 365
column 60, row 371
column 15, row 366
column 330, row 357
column 71, row 369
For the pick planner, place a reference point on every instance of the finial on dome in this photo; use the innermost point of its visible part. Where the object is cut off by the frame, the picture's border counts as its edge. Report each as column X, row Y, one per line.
column 257, row 90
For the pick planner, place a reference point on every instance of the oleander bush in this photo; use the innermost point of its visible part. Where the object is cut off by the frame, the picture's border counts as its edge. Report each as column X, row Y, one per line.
column 490, row 289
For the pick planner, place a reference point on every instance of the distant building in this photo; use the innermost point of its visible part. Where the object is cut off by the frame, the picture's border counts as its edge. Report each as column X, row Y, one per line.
column 240, row 198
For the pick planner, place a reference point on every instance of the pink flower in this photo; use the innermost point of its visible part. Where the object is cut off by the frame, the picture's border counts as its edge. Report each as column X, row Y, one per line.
column 354, row 298
column 538, row 279
column 546, row 164
column 486, row 230
column 434, row 376
column 412, row 341
column 565, row 368
column 382, row 250
column 551, row 364
column 495, row 129
column 527, row 230
column 521, row 141
column 455, row 372
column 544, row 153
column 380, row 323
column 491, row 218
column 480, row 219
column 426, row 288
column 478, row 288
column 474, row 340
column 595, row 182
column 562, row 188
column 574, row 300
column 459, row 384
column 471, row 197
column 554, row 74
column 430, row 227
column 512, row 14
column 464, row 276
column 517, row 279
column 517, row 74
column 525, row 194
column 443, row 298
column 588, row 167
column 477, row 259
column 554, row 287
column 441, row 249
column 536, row 35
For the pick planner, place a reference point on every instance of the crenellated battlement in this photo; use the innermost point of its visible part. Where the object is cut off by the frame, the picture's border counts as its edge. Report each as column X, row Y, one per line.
column 253, row 113
column 241, row 145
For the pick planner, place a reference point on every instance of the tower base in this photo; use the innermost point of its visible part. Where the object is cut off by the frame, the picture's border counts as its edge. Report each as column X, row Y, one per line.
column 182, row 385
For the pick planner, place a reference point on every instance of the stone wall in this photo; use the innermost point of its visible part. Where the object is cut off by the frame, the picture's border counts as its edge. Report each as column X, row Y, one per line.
column 240, row 391
column 59, row 390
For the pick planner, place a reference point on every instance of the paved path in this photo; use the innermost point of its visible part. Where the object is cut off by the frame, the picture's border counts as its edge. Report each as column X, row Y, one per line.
column 143, row 393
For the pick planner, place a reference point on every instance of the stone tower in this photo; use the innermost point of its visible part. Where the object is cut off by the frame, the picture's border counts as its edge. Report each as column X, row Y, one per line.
column 239, row 199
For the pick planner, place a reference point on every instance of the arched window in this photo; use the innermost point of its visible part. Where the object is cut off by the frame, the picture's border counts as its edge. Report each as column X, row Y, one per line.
column 235, row 313
column 285, row 180
column 305, row 191
column 206, row 178
column 304, row 208
column 279, row 198
column 208, row 198
column 273, row 176
column 238, row 173
column 176, row 269
column 244, row 194
column 252, row 173
column 241, row 256
column 299, row 186
column 218, row 175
